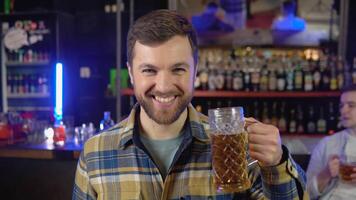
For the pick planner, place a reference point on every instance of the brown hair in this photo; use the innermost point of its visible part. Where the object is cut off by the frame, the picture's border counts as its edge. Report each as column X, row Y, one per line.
column 159, row 26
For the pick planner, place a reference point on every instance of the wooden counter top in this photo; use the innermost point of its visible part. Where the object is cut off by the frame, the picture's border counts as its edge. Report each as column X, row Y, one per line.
column 45, row 150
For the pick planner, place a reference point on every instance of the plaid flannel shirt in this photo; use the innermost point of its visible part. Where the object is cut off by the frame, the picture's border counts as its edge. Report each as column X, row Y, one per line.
column 115, row 165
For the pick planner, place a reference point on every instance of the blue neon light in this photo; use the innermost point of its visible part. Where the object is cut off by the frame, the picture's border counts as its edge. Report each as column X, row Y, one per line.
column 58, row 110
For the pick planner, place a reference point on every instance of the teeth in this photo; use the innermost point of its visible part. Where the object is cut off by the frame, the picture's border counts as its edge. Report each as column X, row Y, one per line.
column 164, row 100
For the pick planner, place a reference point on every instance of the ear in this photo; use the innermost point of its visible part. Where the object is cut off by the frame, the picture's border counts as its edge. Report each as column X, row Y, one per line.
column 130, row 72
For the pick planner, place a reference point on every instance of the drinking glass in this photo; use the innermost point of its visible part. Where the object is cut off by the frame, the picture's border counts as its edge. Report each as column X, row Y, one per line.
column 347, row 166
column 229, row 149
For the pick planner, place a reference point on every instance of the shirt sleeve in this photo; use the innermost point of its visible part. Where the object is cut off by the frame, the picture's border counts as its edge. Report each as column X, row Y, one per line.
column 82, row 187
column 318, row 162
column 284, row 181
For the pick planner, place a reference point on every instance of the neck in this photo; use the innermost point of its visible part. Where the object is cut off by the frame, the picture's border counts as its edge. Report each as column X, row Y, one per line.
column 157, row 131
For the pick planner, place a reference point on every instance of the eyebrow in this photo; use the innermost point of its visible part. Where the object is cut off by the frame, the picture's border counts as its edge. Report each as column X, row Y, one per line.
column 146, row 65
column 179, row 64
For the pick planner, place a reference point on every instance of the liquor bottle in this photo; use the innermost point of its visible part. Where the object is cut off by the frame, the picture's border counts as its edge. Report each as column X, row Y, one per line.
column 106, row 122
column 238, row 80
column 325, row 74
column 272, row 80
column 300, row 121
column 298, row 77
column 228, row 78
column 282, row 123
column 220, row 79
column 353, row 71
column 264, row 79
column 204, row 78
column 265, row 117
column 311, row 126
column 9, row 84
column 316, row 77
column 333, row 78
column 255, row 79
column 26, row 83
column 292, row 125
column 281, row 79
column 274, row 117
column 289, row 77
column 20, row 84
column 308, row 80
column 331, row 121
column 212, row 79
column 340, row 74
column 247, row 79
column 321, row 123
column 256, row 110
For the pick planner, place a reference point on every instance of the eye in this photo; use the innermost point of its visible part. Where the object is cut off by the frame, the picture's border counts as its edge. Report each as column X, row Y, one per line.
column 352, row 105
column 148, row 71
column 179, row 70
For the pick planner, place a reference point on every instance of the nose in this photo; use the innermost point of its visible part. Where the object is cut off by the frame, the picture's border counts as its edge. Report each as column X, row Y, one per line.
column 344, row 109
column 164, row 82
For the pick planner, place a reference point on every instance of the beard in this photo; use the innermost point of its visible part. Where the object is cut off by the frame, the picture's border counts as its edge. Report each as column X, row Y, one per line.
column 164, row 116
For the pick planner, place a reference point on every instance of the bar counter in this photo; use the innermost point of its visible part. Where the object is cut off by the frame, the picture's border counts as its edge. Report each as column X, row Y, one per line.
column 38, row 170
column 45, row 150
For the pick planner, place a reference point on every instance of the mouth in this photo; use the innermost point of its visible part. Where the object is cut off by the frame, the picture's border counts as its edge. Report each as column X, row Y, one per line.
column 164, row 100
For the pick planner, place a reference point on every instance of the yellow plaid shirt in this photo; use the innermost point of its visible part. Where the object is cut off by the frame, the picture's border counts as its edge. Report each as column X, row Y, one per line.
column 115, row 165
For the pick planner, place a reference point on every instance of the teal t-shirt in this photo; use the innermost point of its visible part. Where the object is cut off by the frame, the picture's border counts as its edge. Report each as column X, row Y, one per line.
column 162, row 151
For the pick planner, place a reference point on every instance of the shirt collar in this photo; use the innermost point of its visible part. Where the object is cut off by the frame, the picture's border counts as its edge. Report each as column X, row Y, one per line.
column 198, row 124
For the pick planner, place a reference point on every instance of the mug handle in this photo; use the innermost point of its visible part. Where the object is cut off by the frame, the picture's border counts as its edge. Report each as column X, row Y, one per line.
column 249, row 121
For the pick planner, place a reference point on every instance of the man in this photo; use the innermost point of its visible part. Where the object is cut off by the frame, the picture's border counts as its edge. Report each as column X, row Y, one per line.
column 288, row 21
column 323, row 170
column 162, row 150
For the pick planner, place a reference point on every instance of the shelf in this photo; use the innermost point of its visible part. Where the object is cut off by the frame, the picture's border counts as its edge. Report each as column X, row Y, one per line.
column 307, row 135
column 25, row 96
column 267, row 94
column 19, row 64
column 30, row 108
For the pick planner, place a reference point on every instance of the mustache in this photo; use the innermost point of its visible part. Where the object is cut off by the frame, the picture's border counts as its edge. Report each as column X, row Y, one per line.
column 153, row 92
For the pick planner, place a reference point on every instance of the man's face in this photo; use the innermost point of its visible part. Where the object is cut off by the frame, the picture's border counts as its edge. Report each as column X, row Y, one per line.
column 348, row 109
column 163, row 77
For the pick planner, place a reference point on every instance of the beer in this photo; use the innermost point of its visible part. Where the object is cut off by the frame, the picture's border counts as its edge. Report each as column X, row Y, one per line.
column 345, row 171
column 228, row 144
column 229, row 162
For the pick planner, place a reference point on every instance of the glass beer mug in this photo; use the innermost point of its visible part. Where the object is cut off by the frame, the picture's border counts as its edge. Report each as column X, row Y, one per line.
column 347, row 166
column 229, row 149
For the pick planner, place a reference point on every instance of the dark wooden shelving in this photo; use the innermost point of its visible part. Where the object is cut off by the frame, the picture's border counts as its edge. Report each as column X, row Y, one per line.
column 267, row 94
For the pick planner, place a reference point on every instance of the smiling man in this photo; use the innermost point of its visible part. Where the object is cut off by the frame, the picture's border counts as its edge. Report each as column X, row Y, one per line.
column 324, row 181
column 162, row 150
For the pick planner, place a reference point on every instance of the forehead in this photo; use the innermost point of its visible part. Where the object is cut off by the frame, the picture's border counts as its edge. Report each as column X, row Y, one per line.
column 348, row 96
column 176, row 49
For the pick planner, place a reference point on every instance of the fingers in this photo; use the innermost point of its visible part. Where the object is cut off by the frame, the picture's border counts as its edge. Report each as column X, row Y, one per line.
column 249, row 121
column 334, row 165
column 264, row 142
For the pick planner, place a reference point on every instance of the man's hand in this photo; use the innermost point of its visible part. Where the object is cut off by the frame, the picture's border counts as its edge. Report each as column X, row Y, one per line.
column 333, row 166
column 264, row 142
column 330, row 171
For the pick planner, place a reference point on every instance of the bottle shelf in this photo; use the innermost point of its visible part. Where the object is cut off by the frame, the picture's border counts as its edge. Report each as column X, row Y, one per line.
column 25, row 96
column 19, row 64
column 313, row 135
column 30, row 108
column 242, row 94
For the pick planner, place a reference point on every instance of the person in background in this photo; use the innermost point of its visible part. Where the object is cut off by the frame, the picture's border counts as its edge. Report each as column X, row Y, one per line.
column 288, row 21
column 323, row 170
column 235, row 12
column 162, row 150
column 209, row 21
